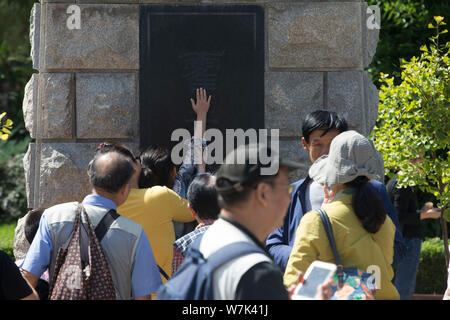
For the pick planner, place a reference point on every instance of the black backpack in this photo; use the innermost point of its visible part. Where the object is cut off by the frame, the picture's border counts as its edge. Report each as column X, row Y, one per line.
column 194, row 279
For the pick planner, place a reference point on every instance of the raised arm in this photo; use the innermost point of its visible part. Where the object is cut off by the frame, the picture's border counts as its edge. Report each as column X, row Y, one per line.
column 200, row 107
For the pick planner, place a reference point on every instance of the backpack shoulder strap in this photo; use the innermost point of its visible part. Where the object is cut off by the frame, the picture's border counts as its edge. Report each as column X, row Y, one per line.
column 224, row 254
column 230, row 252
column 105, row 223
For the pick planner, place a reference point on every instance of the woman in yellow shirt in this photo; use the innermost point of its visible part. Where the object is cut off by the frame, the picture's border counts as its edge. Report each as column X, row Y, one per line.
column 152, row 203
column 363, row 233
column 155, row 209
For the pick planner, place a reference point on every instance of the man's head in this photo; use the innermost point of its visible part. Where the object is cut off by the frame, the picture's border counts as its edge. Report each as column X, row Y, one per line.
column 32, row 224
column 248, row 195
column 319, row 129
column 202, row 197
column 110, row 174
column 106, row 147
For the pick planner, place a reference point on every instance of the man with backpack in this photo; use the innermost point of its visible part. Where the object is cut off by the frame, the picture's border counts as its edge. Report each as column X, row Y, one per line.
column 229, row 261
column 129, row 258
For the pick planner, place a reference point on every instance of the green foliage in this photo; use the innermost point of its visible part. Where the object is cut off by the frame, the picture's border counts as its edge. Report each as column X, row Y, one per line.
column 414, row 120
column 403, row 31
column 12, row 147
column 432, row 273
column 5, row 126
column 15, row 62
column 15, row 71
column 13, row 199
column 15, row 23
column 7, row 238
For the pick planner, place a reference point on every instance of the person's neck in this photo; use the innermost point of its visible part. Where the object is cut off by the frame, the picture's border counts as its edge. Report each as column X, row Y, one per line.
column 107, row 195
column 134, row 182
column 244, row 217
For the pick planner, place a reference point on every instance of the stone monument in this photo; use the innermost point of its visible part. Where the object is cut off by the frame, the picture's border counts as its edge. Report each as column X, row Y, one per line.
column 92, row 83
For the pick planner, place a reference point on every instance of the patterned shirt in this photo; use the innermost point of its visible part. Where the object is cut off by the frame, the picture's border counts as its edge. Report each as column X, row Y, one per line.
column 181, row 245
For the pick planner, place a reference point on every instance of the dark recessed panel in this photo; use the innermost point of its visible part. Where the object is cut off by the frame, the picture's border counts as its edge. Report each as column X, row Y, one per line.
column 217, row 47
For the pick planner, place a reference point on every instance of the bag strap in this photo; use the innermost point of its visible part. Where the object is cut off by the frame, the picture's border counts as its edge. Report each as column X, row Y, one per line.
column 105, row 223
column 329, row 231
column 227, row 253
column 230, row 252
column 164, row 274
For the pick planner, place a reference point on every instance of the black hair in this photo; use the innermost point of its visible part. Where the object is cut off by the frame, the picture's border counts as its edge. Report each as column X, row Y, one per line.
column 113, row 176
column 202, row 196
column 228, row 199
column 156, row 168
column 368, row 206
column 32, row 224
column 106, row 147
column 321, row 119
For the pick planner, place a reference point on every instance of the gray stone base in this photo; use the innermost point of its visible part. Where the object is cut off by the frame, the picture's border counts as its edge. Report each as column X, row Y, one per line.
column 86, row 89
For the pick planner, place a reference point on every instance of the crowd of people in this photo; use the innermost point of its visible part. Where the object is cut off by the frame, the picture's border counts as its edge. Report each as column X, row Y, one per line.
column 150, row 201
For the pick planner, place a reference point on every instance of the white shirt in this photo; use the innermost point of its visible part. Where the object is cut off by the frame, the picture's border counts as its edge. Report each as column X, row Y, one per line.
column 227, row 277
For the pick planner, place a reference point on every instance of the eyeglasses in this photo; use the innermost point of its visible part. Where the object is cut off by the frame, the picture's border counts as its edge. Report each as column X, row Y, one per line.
column 290, row 188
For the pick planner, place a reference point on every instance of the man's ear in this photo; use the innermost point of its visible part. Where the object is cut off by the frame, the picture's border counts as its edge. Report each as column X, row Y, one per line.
column 192, row 211
column 305, row 145
column 262, row 193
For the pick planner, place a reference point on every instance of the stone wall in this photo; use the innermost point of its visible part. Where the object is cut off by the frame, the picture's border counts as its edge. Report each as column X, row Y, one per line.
column 86, row 89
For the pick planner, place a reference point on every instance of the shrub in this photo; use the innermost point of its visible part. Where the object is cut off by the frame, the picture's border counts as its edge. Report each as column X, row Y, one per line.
column 432, row 272
column 7, row 238
column 403, row 31
column 414, row 122
column 13, row 198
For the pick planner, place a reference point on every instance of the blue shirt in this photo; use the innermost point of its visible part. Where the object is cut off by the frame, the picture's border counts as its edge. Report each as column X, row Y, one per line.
column 279, row 243
column 145, row 277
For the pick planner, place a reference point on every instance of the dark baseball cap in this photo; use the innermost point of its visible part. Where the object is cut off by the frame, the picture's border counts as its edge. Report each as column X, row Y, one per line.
column 248, row 164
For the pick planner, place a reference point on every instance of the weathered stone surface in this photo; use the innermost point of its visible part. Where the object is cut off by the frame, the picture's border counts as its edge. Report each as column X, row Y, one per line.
column 320, row 35
column 372, row 101
column 63, row 172
column 107, row 105
column 292, row 149
column 35, row 27
column 108, row 38
column 28, row 165
column 346, row 97
column 29, row 105
column 57, row 106
column 290, row 96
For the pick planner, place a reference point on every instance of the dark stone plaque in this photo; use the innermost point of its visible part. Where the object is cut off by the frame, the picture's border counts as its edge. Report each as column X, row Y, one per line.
column 184, row 47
